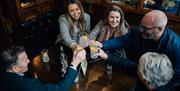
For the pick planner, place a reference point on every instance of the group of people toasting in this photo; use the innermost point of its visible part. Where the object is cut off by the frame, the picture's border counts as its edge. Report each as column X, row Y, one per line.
column 150, row 52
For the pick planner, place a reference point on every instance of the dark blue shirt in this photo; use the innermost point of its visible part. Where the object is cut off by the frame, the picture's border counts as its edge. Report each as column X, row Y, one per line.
column 135, row 46
column 14, row 82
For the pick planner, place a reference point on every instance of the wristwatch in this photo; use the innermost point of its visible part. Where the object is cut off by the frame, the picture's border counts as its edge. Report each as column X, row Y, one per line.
column 72, row 66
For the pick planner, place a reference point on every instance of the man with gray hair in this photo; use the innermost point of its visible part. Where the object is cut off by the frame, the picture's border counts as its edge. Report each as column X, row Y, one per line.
column 14, row 62
column 151, row 36
column 154, row 71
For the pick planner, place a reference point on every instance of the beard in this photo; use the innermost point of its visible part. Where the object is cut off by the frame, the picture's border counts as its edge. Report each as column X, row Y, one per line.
column 148, row 36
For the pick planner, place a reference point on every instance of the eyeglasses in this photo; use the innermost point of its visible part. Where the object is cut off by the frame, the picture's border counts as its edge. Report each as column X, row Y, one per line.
column 145, row 29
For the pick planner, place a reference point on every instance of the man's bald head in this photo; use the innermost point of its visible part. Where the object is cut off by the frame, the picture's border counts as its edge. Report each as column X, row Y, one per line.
column 155, row 18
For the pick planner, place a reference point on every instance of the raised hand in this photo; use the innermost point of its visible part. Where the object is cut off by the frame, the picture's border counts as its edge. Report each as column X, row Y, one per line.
column 102, row 54
column 78, row 57
column 95, row 43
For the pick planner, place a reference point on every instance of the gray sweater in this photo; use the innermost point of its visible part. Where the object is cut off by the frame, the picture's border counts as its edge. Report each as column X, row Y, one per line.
column 68, row 38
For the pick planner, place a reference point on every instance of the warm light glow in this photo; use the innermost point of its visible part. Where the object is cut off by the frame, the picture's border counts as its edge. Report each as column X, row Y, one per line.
column 36, row 62
column 93, row 49
column 85, row 38
column 26, row 4
column 79, row 48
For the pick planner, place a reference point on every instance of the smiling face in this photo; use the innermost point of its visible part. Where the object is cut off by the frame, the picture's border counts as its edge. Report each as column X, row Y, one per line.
column 74, row 11
column 114, row 19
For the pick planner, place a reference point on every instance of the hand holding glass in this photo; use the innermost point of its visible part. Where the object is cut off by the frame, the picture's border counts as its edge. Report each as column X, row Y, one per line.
column 84, row 40
column 93, row 49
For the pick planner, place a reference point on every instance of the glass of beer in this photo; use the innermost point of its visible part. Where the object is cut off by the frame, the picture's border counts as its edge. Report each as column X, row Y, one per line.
column 93, row 49
column 83, row 39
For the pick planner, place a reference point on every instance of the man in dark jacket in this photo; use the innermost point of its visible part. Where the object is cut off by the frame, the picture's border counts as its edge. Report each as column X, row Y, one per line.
column 154, row 71
column 151, row 36
column 14, row 62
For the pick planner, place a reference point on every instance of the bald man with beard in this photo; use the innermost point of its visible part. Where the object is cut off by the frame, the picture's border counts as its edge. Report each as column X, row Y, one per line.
column 152, row 35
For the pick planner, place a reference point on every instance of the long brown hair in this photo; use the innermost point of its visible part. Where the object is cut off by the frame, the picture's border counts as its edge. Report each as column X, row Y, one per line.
column 123, row 26
column 81, row 20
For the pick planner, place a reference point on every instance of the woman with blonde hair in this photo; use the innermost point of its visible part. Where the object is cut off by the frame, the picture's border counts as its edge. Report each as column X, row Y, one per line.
column 114, row 25
column 71, row 24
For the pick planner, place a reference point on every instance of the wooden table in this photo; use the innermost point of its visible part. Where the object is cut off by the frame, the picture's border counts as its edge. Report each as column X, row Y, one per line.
column 47, row 71
column 94, row 80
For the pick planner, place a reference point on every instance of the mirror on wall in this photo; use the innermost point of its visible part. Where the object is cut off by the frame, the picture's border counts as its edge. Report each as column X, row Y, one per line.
column 168, row 6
